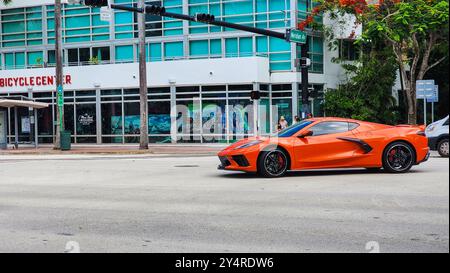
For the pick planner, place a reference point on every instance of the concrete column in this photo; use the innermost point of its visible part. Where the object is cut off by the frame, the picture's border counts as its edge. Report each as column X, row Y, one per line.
column 98, row 114
column 173, row 114
column 16, row 129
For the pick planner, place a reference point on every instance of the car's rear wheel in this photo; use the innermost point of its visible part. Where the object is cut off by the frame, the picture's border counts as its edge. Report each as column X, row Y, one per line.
column 398, row 157
column 273, row 163
column 443, row 147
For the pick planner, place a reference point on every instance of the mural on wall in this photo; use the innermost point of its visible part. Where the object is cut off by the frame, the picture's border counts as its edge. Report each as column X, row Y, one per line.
column 157, row 124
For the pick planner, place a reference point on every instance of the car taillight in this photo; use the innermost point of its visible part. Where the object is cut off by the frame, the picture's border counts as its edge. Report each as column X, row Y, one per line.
column 422, row 133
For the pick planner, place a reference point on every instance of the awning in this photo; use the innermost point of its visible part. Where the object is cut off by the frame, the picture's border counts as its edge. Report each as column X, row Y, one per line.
column 22, row 103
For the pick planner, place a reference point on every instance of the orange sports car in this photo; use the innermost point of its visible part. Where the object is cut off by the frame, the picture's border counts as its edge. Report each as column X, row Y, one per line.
column 325, row 143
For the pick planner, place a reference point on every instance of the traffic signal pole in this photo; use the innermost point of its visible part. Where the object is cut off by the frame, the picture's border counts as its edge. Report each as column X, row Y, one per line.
column 305, row 85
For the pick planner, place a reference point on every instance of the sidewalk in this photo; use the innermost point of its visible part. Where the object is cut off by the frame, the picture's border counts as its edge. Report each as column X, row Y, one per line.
column 168, row 149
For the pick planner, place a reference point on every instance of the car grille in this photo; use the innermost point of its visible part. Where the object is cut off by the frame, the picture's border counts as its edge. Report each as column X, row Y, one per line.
column 224, row 161
column 241, row 160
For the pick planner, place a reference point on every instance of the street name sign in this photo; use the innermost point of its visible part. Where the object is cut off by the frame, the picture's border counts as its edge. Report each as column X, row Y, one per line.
column 105, row 14
column 297, row 36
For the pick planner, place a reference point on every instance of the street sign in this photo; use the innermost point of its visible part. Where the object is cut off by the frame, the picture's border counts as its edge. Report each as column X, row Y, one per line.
column 105, row 14
column 297, row 36
column 60, row 96
column 425, row 89
column 435, row 96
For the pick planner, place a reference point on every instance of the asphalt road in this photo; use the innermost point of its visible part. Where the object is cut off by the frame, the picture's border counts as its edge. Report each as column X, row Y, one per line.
column 175, row 204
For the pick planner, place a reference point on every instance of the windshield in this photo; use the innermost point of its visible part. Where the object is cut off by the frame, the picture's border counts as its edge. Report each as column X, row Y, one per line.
column 291, row 130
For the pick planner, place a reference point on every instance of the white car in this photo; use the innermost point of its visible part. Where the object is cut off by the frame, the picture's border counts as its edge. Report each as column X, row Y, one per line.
column 437, row 133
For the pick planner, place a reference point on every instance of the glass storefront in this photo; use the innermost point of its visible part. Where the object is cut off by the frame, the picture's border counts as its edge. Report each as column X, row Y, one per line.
column 201, row 114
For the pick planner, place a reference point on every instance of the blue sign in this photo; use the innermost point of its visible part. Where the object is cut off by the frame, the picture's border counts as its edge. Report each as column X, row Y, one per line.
column 425, row 89
column 435, row 97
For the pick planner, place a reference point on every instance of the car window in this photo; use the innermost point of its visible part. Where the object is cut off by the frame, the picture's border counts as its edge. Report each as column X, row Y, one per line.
column 352, row 126
column 330, row 127
column 446, row 122
column 290, row 131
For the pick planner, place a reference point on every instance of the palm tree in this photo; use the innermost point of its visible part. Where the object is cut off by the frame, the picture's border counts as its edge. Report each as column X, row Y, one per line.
column 6, row 2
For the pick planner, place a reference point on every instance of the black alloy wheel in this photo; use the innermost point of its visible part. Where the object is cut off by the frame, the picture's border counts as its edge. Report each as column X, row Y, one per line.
column 398, row 157
column 273, row 163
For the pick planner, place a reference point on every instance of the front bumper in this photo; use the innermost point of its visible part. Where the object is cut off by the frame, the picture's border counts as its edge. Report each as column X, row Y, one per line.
column 239, row 160
column 432, row 143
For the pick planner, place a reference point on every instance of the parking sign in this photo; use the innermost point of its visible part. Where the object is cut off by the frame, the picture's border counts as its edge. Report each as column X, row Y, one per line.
column 425, row 89
column 435, row 97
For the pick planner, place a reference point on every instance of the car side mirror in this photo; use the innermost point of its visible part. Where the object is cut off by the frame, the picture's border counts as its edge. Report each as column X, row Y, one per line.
column 305, row 134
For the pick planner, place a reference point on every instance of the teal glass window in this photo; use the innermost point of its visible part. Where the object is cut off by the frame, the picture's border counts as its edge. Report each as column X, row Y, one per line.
column 216, row 48
column 245, row 47
column 155, row 52
column 124, row 53
column 35, row 58
column 21, row 26
column 198, row 48
column 9, row 60
column 261, row 44
column 173, row 50
column 231, row 47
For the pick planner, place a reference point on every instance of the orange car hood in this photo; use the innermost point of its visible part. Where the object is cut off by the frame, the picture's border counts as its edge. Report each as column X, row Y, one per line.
column 246, row 140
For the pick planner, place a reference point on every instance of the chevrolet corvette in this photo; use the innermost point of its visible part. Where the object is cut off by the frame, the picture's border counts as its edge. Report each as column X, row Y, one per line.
column 328, row 143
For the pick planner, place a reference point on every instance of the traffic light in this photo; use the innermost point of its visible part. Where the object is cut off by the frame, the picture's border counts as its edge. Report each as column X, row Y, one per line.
column 96, row 3
column 155, row 10
column 255, row 95
column 205, row 18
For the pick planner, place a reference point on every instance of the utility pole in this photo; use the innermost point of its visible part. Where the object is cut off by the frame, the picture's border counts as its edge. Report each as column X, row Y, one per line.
column 304, row 74
column 59, row 73
column 143, row 145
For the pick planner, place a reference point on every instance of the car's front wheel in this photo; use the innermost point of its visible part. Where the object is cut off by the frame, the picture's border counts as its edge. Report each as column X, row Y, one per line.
column 443, row 147
column 273, row 163
column 398, row 157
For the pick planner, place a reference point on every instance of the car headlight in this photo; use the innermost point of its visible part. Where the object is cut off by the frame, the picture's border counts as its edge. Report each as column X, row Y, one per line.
column 430, row 128
column 249, row 144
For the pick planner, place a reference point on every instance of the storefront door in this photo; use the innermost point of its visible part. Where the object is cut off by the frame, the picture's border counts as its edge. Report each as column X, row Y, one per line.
column 2, row 129
column 86, row 123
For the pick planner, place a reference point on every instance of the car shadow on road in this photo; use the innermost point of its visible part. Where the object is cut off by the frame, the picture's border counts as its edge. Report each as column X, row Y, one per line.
column 311, row 173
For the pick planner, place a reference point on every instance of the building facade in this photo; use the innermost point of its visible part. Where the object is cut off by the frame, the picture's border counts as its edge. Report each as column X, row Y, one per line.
column 206, row 70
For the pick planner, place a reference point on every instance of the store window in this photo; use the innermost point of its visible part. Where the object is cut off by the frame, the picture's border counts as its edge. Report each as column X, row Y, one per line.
column 159, row 121
column 112, row 122
column 132, row 122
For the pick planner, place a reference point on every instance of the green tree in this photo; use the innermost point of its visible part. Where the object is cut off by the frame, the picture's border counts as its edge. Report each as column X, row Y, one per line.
column 367, row 92
column 414, row 30
column 6, row 2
